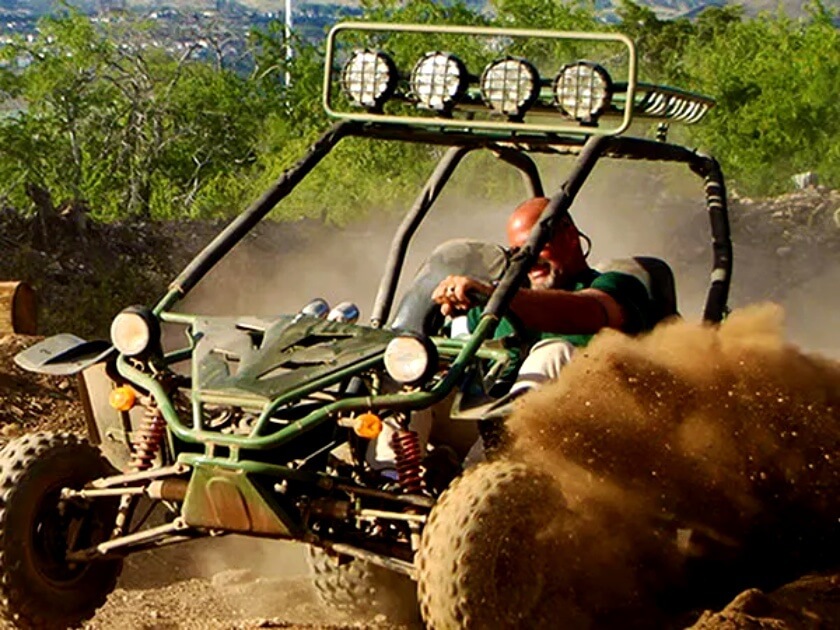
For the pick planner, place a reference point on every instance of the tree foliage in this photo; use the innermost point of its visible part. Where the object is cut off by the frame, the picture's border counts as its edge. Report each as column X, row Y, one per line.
column 108, row 124
column 774, row 79
column 117, row 127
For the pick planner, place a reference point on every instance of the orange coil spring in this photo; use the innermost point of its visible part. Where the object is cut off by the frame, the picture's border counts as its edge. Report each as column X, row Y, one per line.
column 147, row 439
column 406, row 447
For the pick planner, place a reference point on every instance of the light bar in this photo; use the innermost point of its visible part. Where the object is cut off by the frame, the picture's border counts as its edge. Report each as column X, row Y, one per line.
column 506, row 93
column 510, row 86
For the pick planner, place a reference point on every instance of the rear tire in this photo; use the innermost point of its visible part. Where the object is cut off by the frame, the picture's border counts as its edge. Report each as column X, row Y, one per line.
column 38, row 587
column 361, row 589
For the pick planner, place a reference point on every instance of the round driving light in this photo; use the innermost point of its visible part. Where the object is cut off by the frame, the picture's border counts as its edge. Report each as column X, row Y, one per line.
column 510, row 86
column 582, row 91
column 410, row 359
column 438, row 81
column 134, row 331
column 369, row 78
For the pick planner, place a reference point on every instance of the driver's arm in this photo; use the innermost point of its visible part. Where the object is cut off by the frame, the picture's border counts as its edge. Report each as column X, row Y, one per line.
column 567, row 312
column 546, row 310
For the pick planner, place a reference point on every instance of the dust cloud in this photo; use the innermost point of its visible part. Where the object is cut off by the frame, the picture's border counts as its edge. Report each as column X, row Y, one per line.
column 280, row 267
column 690, row 445
column 286, row 265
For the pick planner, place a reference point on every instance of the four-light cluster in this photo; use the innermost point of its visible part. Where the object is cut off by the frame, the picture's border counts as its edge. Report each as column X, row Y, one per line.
column 509, row 86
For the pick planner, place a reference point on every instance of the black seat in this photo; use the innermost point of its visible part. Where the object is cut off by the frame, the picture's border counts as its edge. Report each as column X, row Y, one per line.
column 485, row 262
column 662, row 286
column 657, row 277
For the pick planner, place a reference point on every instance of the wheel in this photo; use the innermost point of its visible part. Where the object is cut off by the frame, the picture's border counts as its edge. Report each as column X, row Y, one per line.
column 38, row 587
column 484, row 559
column 359, row 588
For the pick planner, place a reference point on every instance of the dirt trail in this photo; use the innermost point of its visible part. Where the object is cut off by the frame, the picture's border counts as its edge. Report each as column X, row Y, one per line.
column 230, row 582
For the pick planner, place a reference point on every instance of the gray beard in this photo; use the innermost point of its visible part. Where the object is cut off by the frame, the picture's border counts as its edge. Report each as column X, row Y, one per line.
column 552, row 281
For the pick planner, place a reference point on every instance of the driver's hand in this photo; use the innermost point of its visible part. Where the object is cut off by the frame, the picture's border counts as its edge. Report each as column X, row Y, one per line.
column 456, row 294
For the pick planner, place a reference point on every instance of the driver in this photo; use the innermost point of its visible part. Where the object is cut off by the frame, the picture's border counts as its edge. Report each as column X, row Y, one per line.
column 565, row 303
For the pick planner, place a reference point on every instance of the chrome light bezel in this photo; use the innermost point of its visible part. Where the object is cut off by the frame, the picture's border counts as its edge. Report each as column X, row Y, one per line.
column 582, row 91
column 426, row 86
column 369, row 79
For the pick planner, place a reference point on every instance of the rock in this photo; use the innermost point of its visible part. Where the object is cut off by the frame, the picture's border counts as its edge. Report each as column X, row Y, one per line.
column 751, row 602
column 808, row 179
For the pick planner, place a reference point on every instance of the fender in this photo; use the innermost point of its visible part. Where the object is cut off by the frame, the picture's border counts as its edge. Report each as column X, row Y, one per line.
column 64, row 355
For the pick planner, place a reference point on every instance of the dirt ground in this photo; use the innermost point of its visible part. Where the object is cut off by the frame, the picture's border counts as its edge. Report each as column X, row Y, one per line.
column 214, row 584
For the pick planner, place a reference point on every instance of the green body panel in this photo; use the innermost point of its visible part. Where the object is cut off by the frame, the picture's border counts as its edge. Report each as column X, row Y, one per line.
column 404, row 400
column 233, row 358
column 229, row 500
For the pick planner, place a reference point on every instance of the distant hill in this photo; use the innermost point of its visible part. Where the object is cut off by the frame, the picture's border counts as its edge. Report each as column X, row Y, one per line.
column 665, row 8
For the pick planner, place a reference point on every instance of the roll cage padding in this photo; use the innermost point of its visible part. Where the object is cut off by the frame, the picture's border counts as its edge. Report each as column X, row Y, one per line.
column 416, row 311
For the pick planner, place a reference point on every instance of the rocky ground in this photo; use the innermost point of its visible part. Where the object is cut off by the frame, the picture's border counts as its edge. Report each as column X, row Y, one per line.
column 229, row 584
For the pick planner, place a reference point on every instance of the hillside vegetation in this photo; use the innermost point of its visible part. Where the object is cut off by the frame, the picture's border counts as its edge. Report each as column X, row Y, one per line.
column 109, row 127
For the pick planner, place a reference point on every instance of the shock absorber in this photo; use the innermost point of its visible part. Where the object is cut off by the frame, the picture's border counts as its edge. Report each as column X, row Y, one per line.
column 145, row 445
column 406, row 445
column 147, row 438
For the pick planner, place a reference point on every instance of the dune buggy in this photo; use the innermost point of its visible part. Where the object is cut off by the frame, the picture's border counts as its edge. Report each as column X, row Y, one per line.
column 300, row 426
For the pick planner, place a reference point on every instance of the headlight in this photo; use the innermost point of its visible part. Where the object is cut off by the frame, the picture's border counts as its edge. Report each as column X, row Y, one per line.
column 369, row 78
column 582, row 91
column 410, row 359
column 134, row 331
column 438, row 81
column 510, row 86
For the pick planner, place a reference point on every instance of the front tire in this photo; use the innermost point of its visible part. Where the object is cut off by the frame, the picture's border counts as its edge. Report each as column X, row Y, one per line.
column 39, row 588
column 485, row 557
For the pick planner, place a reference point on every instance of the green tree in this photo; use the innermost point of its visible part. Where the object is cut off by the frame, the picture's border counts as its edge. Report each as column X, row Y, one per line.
column 119, row 127
column 775, row 81
column 660, row 44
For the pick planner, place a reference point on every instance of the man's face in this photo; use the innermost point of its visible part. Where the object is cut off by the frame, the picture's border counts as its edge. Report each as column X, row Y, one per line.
column 550, row 270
